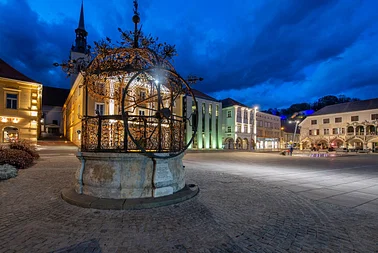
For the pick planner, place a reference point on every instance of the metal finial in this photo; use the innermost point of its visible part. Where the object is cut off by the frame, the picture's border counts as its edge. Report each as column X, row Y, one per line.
column 136, row 7
column 136, row 20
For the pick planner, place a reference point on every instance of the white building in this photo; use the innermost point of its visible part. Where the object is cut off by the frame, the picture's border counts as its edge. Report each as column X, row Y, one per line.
column 247, row 128
column 237, row 126
column 351, row 125
column 52, row 103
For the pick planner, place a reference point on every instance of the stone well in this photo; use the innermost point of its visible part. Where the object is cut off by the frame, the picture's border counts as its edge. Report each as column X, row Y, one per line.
column 129, row 175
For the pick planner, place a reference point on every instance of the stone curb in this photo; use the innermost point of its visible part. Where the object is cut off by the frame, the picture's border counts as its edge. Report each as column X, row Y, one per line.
column 86, row 201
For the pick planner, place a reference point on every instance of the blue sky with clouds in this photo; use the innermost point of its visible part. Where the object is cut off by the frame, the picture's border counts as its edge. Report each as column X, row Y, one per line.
column 271, row 53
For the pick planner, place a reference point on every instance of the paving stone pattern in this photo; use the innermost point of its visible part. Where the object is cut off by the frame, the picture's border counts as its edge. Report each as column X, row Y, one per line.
column 231, row 214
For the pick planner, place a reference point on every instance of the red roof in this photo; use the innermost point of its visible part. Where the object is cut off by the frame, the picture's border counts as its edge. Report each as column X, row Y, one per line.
column 8, row 71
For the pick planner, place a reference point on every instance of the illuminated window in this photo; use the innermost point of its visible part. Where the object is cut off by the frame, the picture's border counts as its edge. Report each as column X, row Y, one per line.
column 12, row 101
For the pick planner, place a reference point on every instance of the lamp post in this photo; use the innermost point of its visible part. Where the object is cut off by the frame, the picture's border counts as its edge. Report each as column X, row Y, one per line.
column 295, row 129
column 282, row 138
column 255, row 125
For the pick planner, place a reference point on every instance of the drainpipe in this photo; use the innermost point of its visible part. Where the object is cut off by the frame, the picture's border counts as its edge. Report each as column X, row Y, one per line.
column 80, row 179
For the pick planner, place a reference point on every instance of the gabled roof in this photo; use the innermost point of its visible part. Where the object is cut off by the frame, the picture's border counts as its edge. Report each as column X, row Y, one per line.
column 8, row 71
column 199, row 94
column 230, row 102
column 349, row 107
column 54, row 96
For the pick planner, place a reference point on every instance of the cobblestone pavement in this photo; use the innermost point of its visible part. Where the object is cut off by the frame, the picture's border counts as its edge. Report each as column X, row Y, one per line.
column 232, row 213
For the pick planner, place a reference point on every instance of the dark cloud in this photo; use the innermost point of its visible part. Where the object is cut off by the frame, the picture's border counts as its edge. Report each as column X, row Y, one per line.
column 256, row 51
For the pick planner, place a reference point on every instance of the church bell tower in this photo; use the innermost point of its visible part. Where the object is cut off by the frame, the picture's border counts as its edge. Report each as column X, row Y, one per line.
column 80, row 52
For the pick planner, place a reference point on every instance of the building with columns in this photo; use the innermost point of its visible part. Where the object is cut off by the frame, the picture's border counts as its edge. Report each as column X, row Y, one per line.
column 246, row 128
column 352, row 125
column 239, row 131
column 209, row 128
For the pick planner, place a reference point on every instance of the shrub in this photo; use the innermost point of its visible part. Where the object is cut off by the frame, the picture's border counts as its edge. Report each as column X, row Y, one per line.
column 7, row 171
column 18, row 158
column 23, row 145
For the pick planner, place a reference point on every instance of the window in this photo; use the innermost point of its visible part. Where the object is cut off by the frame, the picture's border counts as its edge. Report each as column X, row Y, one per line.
column 229, row 129
column 326, row 131
column 374, row 116
column 12, row 101
column 309, row 132
column 314, row 122
column 325, row 121
column 142, row 95
column 99, row 108
column 141, row 112
column 216, row 110
column 314, row 132
column 338, row 120
column 354, row 118
column 228, row 114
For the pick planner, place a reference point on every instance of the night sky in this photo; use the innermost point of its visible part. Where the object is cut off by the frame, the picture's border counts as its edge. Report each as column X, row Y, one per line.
column 261, row 52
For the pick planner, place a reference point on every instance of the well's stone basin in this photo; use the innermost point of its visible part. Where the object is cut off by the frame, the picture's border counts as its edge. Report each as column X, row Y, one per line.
column 129, row 175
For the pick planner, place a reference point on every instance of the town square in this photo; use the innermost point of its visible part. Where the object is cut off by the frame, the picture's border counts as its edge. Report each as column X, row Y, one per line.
column 248, row 202
column 152, row 126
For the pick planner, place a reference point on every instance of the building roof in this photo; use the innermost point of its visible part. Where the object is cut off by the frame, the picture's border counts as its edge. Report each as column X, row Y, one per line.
column 8, row 71
column 230, row 102
column 199, row 94
column 349, row 107
column 54, row 96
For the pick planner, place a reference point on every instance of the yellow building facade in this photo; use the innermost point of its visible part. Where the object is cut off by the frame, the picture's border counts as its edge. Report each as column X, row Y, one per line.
column 20, row 105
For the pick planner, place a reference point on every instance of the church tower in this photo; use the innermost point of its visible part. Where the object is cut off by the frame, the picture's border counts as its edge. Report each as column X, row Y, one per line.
column 80, row 51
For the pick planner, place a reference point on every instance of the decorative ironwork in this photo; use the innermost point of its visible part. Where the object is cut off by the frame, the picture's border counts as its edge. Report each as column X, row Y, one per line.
column 145, row 93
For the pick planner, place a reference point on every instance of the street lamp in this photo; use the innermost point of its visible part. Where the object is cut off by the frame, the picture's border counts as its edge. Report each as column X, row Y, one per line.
column 295, row 129
column 255, row 125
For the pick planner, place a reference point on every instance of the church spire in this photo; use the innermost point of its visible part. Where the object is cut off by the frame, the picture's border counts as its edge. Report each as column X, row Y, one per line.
column 81, row 34
column 81, row 21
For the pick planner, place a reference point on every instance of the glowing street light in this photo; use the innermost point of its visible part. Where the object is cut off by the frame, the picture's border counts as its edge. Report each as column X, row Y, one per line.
column 295, row 129
column 255, row 124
